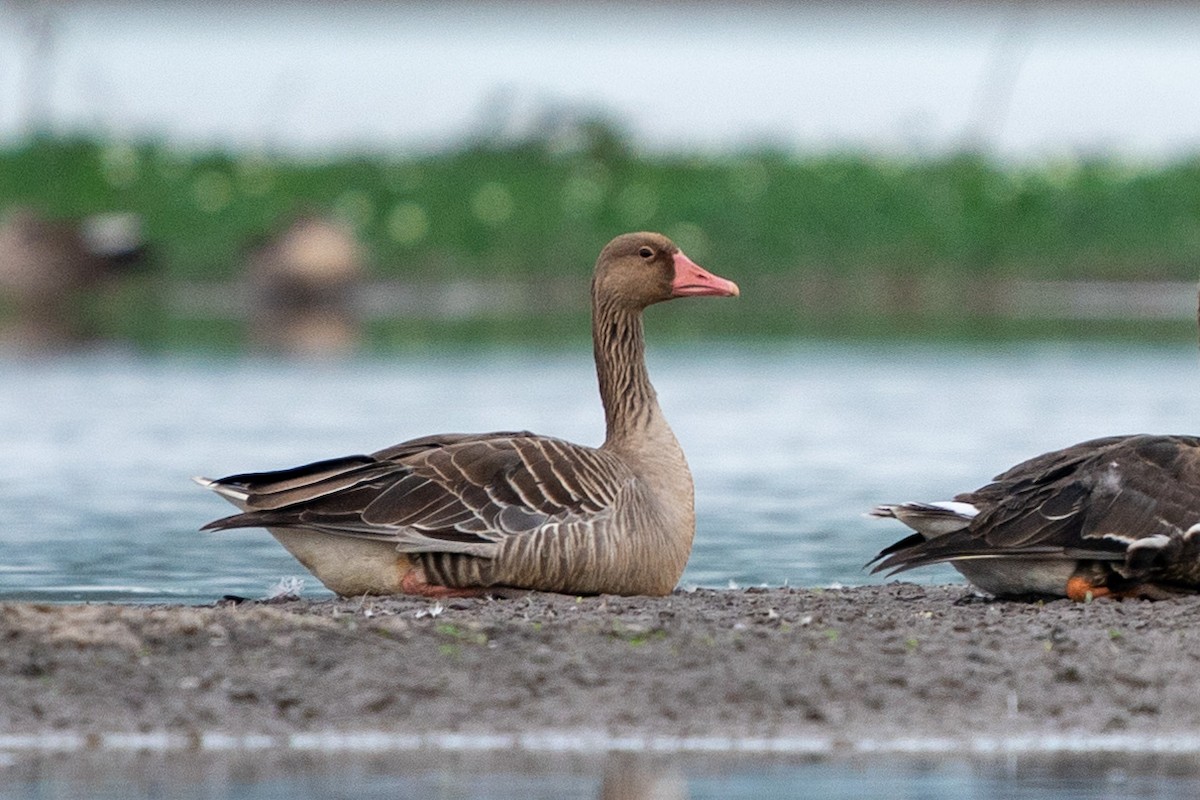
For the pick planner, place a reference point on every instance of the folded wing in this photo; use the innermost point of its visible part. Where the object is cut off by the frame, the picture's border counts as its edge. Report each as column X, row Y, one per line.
column 457, row 493
column 1131, row 500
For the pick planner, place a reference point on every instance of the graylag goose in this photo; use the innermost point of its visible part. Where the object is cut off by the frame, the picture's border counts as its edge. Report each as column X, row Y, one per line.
column 1118, row 517
column 459, row 514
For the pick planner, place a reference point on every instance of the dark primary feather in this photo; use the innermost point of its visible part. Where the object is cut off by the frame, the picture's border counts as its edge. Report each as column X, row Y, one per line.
column 912, row 540
column 1090, row 501
column 963, row 546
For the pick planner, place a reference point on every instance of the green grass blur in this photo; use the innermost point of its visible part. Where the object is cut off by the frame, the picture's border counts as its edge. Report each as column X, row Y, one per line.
column 774, row 221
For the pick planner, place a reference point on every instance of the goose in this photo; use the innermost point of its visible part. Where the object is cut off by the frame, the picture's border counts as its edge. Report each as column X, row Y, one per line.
column 1112, row 517
column 48, row 265
column 304, row 280
column 462, row 514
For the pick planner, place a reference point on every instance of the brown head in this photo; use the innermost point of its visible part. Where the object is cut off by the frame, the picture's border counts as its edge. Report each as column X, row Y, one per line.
column 639, row 269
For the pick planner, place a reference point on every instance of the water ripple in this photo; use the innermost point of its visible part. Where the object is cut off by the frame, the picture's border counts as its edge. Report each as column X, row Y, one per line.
column 788, row 447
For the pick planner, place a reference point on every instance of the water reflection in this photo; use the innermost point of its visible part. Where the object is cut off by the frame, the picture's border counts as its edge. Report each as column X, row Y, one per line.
column 532, row 776
column 632, row 777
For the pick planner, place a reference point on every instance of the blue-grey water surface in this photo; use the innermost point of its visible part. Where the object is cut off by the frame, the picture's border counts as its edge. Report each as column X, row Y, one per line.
column 273, row 776
column 789, row 446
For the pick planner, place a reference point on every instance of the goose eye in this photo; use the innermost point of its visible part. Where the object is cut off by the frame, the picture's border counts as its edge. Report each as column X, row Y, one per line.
column 646, row 252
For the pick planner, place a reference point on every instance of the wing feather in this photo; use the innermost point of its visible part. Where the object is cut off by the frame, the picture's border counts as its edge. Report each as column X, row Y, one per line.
column 1093, row 501
column 455, row 493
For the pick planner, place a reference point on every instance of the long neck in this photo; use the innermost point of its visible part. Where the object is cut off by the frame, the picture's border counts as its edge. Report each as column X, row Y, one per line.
column 630, row 404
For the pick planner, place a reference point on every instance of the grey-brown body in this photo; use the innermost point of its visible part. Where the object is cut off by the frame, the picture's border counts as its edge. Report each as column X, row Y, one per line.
column 510, row 509
column 1117, row 515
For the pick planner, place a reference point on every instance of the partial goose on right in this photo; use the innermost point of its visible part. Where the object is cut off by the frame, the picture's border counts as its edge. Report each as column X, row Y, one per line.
column 1118, row 516
column 1115, row 516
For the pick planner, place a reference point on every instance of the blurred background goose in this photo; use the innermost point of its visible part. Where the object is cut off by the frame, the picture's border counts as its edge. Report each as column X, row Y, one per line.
column 49, row 266
column 459, row 513
column 303, row 281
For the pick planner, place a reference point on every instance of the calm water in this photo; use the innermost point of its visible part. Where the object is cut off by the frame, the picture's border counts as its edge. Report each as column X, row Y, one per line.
column 268, row 776
column 788, row 446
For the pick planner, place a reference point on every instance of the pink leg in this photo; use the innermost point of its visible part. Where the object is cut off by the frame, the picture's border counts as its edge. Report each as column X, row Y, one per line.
column 414, row 582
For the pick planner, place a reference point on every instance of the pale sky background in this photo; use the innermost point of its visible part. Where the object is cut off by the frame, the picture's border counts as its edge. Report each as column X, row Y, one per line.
column 1021, row 80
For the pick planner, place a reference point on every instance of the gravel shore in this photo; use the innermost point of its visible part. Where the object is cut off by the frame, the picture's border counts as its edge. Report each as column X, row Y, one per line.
column 874, row 663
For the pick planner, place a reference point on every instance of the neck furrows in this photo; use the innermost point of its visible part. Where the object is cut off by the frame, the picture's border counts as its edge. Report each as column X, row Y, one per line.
column 630, row 404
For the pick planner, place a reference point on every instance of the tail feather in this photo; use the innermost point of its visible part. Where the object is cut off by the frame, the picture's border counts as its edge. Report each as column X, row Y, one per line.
column 913, row 540
column 937, row 551
column 929, row 519
column 271, row 490
column 252, row 519
column 233, row 494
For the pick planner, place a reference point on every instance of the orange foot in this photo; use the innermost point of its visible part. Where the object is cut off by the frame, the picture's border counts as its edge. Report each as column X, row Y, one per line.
column 414, row 582
column 1081, row 590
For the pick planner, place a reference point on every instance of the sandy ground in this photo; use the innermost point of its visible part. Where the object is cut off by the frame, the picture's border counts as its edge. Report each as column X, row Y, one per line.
column 882, row 661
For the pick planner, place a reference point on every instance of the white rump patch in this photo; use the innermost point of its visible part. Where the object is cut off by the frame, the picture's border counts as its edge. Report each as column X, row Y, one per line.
column 962, row 509
column 1157, row 541
column 1192, row 531
column 932, row 519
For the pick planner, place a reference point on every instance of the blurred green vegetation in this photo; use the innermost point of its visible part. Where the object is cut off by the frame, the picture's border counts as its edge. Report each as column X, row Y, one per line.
column 524, row 210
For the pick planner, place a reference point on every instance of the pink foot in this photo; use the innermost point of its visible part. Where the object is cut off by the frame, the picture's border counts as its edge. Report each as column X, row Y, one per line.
column 414, row 582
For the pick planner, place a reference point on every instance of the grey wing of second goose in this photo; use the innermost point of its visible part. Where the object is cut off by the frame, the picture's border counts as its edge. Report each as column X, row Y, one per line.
column 503, row 508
